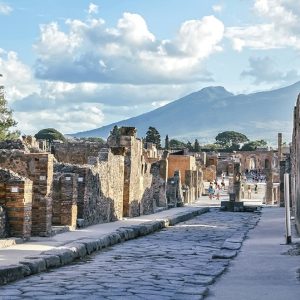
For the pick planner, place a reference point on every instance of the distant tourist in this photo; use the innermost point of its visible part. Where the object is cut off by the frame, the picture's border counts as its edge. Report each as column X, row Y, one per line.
column 255, row 189
column 243, row 191
column 211, row 192
column 249, row 192
column 217, row 192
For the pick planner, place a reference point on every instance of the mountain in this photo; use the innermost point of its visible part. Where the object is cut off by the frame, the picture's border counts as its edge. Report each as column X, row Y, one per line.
column 205, row 113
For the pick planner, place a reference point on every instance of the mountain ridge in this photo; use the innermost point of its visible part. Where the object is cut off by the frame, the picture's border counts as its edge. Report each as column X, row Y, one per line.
column 204, row 113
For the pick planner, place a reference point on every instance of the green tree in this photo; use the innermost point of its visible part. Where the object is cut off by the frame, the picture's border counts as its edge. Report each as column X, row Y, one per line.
column 6, row 119
column 253, row 145
column 167, row 144
column 50, row 134
column 196, row 146
column 93, row 139
column 189, row 146
column 229, row 138
column 176, row 144
column 153, row 136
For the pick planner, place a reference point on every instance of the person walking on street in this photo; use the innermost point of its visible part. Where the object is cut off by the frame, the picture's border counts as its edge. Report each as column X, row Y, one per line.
column 249, row 192
column 211, row 191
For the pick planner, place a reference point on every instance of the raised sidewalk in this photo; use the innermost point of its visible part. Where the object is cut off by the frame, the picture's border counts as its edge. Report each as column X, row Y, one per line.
column 263, row 269
column 40, row 254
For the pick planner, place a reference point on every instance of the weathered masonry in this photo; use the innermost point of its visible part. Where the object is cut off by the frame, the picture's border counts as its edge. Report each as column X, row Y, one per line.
column 295, row 164
column 82, row 183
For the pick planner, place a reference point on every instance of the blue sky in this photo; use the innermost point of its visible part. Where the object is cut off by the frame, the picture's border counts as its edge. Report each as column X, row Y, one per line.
column 78, row 65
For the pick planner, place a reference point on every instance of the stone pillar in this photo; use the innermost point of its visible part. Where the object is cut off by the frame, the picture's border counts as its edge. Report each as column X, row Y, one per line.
column 269, row 186
column 281, row 186
column 41, row 173
column 65, row 200
column 237, row 181
column 279, row 147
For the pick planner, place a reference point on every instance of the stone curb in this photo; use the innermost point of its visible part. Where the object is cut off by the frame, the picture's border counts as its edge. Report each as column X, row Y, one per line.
column 78, row 249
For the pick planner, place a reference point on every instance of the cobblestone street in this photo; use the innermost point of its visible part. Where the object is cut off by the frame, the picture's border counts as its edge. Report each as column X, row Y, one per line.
column 179, row 262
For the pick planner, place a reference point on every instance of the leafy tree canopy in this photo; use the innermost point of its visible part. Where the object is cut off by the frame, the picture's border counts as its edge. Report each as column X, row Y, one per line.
column 153, row 136
column 253, row 145
column 93, row 139
column 229, row 138
column 6, row 119
column 196, row 146
column 176, row 144
column 50, row 134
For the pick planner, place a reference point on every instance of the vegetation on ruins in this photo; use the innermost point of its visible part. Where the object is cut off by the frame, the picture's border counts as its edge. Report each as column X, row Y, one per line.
column 6, row 119
column 253, row 145
column 176, row 144
column 92, row 139
column 153, row 136
column 197, row 146
column 231, row 139
column 50, row 134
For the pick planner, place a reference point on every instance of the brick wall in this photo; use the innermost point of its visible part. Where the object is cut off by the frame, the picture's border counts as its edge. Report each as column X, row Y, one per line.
column 16, row 198
column 4, row 230
column 64, row 196
column 38, row 167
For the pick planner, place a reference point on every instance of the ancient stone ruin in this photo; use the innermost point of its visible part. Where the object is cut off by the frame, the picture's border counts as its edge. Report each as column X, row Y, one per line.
column 80, row 183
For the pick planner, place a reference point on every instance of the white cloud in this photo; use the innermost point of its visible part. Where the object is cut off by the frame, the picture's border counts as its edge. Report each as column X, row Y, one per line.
column 128, row 53
column 17, row 77
column 66, row 119
column 93, row 8
column 263, row 70
column 280, row 27
column 217, row 8
column 5, row 9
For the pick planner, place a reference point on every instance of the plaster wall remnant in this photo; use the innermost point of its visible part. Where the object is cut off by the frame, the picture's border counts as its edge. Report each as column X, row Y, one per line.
column 16, row 198
column 181, row 163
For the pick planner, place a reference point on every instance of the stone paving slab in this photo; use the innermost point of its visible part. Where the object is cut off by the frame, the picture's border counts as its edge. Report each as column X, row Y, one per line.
column 173, row 263
column 34, row 257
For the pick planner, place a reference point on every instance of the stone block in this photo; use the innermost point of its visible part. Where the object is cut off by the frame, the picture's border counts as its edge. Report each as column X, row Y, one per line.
column 36, row 265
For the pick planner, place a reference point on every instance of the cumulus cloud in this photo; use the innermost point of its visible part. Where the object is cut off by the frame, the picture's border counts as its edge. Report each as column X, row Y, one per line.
column 17, row 77
column 66, row 119
column 263, row 70
column 5, row 9
column 93, row 8
column 280, row 27
column 89, row 51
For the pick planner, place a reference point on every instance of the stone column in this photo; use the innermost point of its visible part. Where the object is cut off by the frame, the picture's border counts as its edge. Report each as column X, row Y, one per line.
column 279, row 147
column 237, row 181
column 269, row 186
column 281, row 186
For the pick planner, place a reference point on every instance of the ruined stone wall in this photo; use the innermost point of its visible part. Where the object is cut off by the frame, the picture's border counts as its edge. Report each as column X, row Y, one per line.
column 180, row 163
column 38, row 167
column 295, row 163
column 4, row 231
column 98, row 186
column 16, row 198
column 111, row 173
column 64, row 197
column 209, row 173
column 76, row 152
